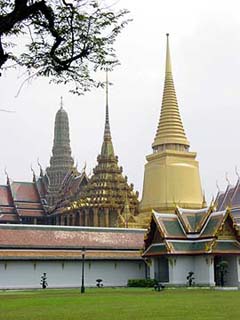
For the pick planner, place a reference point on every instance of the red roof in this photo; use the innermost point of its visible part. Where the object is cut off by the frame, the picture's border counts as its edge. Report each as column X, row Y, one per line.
column 24, row 191
column 5, row 196
column 26, row 236
column 31, row 213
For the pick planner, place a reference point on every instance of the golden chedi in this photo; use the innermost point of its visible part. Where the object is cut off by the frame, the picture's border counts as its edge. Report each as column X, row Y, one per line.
column 171, row 174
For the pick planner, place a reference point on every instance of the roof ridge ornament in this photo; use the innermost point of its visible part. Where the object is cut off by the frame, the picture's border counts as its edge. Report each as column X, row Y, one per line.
column 33, row 172
column 227, row 178
column 217, row 185
column 40, row 167
column 6, row 173
column 236, row 171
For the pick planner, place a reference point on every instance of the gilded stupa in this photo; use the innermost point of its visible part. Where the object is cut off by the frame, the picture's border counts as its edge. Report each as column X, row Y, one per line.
column 171, row 176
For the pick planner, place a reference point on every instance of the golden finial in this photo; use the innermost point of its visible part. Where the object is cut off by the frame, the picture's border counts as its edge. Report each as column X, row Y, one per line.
column 168, row 58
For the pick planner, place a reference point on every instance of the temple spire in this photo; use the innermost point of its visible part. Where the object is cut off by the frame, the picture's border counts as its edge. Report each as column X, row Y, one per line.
column 170, row 131
column 61, row 103
column 61, row 162
column 107, row 146
column 168, row 58
column 107, row 132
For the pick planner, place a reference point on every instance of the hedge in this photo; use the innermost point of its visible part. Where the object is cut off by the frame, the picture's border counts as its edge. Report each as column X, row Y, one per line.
column 141, row 283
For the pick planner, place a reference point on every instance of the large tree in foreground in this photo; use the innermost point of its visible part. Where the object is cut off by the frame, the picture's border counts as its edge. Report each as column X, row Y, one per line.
column 64, row 40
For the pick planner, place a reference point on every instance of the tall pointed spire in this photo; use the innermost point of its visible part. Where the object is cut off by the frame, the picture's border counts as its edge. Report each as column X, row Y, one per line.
column 107, row 132
column 171, row 175
column 170, row 131
column 104, row 195
column 107, row 146
column 61, row 162
column 61, row 103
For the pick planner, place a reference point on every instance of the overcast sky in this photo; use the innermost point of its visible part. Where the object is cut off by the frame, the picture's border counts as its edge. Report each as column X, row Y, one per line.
column 205, row 51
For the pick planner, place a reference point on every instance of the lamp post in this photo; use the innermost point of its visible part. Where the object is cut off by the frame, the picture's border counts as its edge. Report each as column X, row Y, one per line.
column 83, row 260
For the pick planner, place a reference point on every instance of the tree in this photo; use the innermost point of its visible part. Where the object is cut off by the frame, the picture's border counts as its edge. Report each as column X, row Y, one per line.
column 190, row 278
column 43, row 282
column 222, row 269
column 64, row 40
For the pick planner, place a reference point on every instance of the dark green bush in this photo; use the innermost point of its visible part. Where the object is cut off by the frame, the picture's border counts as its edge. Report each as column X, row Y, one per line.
column 143, row 283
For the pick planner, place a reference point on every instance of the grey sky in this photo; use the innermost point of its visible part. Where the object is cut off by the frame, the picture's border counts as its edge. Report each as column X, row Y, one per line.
column 205, row 51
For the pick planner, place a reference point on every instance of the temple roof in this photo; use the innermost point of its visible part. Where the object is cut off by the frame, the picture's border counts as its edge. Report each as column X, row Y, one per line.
column 24, row 191
column 230, row 198
column 192, row 232
column 107, row 188
column 20, row 199
column 192, row 219
column 68, row 254
column 61, row 161
column 59, row 237
column 70, row 190
column 170, row 128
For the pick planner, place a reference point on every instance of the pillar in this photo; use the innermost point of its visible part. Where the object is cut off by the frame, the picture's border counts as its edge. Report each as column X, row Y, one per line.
column 95, row 217
column 106, row 217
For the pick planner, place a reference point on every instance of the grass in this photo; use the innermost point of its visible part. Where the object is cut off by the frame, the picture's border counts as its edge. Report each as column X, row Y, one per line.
column 124, row 304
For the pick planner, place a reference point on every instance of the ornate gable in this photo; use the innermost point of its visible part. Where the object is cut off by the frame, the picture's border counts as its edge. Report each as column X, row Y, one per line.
column 227, row 230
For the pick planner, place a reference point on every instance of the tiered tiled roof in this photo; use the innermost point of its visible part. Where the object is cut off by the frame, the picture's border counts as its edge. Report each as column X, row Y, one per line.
column 57, row 242
column 61, row 162
column 107, row 188
column 71, row 188
column 192, row 232
column 230, row 198
column 20, row 200
column 193, row 220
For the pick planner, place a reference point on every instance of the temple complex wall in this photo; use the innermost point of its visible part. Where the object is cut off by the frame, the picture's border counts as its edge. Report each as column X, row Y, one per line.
column 232, row 275
column 202, row 266
column 179, row 268
column 204, row 270
column 27, row 274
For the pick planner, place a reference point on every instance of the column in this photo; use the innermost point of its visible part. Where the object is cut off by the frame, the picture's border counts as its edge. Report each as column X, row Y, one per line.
column 95, row 217
column 106, row 217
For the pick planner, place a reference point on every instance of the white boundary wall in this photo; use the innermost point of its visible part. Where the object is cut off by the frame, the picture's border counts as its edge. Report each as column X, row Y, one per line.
column 203, row 268
column 67, row 274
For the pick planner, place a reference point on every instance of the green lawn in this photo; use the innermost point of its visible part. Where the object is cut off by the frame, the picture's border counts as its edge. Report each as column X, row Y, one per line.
column 114, row 304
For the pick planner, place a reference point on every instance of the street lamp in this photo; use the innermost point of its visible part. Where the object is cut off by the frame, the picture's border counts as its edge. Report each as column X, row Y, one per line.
column 83, row 260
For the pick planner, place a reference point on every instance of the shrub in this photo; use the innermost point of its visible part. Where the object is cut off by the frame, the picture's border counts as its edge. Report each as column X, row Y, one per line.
column 143, row 283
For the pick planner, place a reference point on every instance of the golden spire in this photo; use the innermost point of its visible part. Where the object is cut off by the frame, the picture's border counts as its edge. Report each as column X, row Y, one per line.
column 107, row 146
column 107, row 132
column 170, row 130
column 61, row 102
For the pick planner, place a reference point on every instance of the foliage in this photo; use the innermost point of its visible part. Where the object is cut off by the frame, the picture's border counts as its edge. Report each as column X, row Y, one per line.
column 222, row 270
column 190, row 278
column 141, row 283
column 43, row 281
column 99, row 283
column 119, row 304
column 65, row 40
